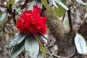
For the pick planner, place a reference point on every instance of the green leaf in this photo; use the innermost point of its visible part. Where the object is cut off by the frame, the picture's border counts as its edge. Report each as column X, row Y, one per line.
column 61, row 4
column 18, row 10
column 80, row 44
column 45, row 3
column 60, row 11
column 53, row 3
column 30, row 7
column 10, row 2
column 81, row 2
column 66, row 22
column 2, row 17
column 40, row 55
column 31, row 46
column 39, row 4
column 34, row 2
column 17, row 39
column 8, row 29
column 17, row 49
column 42, row 49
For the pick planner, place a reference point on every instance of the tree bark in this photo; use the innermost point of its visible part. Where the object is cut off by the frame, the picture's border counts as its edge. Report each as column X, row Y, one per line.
column 65, row 40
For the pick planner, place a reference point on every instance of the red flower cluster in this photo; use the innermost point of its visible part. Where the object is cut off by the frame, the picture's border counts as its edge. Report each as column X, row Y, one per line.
column 30, row 21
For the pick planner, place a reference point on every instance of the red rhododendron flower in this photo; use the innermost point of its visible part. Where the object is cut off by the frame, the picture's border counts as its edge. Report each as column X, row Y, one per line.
column 31, row 22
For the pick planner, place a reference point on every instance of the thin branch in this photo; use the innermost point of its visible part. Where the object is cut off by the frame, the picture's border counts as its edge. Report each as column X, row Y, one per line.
column 49, row 52
column 9, row 9
column 63, row 17
column 70, row 21
column 58, row 56
column 45, row 38
column 71, row 56
column 24, row 5
column 13, row 14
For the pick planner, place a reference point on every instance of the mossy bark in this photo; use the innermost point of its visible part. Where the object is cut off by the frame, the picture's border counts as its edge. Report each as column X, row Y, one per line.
column 63, row 39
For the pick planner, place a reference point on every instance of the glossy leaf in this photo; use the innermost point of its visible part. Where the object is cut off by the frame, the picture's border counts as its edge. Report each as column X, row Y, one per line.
column 34, row 2
column 61, row 4
column 17, row 39
column 18, row 10
column 40, row 55
column 66, row 22
column 31, row 46
column 8, row 29
column 2, row 17
column 42, row 49
column 53, row 3
column 30, row 7
column 80, row 44
column 60, row 10
column 45, row 3
column 80, row 1
column 17, row 50
column 39, row 4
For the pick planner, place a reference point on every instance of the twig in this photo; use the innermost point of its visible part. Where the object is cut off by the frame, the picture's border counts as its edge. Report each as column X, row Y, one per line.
column 49, row 52
column 24, row 5
column 59, row 56
column 63, row 17
column 13, row 14
column 9, row 9
column 70, row 21
column 45, row 38
column 56, row 56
